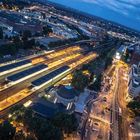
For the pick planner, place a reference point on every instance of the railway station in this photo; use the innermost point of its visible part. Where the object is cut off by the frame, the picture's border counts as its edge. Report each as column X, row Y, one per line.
column 50, row 77
column 14, row 66
column 23, row 75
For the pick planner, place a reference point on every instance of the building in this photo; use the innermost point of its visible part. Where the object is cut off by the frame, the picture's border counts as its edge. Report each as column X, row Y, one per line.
column 6, row 27
column 7, row 30
column 134, row 81
column 82, row 101
column 120, row 52
column 46, row 109
column 66, row 95
column 135, row 48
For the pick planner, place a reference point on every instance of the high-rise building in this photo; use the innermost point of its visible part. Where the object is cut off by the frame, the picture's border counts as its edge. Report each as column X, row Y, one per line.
column 134, row 81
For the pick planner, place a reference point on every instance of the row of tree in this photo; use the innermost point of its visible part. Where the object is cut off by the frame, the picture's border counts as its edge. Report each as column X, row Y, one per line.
column 21, row 41
column 18, row 42
column 79, row 80
column 39, row 128
column 8, row 132
column 134, row 105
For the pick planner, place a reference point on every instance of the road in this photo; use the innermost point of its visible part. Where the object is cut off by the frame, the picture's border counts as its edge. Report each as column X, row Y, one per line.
column 115, row 129
column 120, row 112
column 122, row 93
column 97, row 112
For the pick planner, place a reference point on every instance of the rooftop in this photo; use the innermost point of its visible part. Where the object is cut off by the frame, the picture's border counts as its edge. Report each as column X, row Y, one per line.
column 49, row 76
column 67, row 92
column 47, row 109
column 27, row 72
column 14, row 65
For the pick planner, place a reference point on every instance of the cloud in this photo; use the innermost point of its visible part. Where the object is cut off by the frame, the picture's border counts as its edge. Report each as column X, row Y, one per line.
column 124, row 7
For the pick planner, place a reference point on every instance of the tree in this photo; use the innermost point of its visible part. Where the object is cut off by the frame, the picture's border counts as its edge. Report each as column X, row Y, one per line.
column 29, row 137
column 1, row 33
column 97, row 84
column 79, row 80
column 6, row 37
column 16, row 39
column 49, row 132
column 26, row 34
column 8, row 49
column 17, row 112
column 7, row 131
column 42, row 128
column 108, row 62
column 47, row 30
column 67, row 123
column 19, row 136
column 29, row 44
column 134, row 105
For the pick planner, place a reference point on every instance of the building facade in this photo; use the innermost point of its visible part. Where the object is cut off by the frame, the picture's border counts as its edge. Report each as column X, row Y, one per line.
column 134, row 81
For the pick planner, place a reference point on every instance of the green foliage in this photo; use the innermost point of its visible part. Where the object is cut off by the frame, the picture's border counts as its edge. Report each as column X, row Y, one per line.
column 79, row 80
column 16, row 39
column 7, row 131
column 47, row 30
column 29, row 44
column 12, row 3
column 134, row 105
column 30, row 138
column 17, row 113
column 97, row 84
column 67, row 123
column 66, row 41
column 8, row 49
column 42, row 128
column 108, row 62
column 19, row 136
column 1, row 33
column 26, row 34
column 13, row 48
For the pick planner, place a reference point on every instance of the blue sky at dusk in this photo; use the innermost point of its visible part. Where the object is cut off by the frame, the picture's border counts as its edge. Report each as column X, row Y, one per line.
column 125, row 12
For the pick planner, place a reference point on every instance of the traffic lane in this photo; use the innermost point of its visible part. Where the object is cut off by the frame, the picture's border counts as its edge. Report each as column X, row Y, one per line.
column 114, row 108
column 122, row 103
column 104, row 131
column 94, row 134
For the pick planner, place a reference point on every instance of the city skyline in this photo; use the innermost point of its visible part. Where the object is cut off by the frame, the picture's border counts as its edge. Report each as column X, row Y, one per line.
column 120, row 11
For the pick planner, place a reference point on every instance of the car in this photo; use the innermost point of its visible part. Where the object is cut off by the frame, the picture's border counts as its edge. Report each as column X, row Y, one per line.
column 94, row 129
column 79, row 131
column 86, row 132
column 132, row 123
column 100, row 136
column 104, row 99
column 132, row 127
column 108, row 109
column 96, row 124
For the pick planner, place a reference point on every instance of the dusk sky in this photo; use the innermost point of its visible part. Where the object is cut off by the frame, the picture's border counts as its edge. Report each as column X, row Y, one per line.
column 126, row 12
